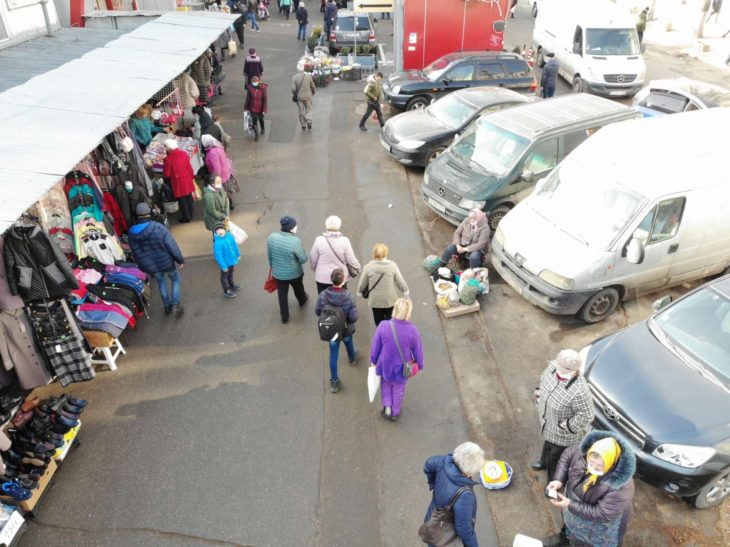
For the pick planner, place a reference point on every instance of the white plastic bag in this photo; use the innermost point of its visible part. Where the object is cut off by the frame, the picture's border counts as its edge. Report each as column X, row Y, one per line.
column 373, row 383
column 238, row 233
column 247, row 122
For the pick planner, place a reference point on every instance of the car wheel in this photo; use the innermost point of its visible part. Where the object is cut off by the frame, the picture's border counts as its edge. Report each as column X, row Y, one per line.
column 496, row 215
column 417, row 102
column 435, row 153
column 714, row 492
column 599, row 306
column 577, row 85
column 540, row 58
column 534, row 9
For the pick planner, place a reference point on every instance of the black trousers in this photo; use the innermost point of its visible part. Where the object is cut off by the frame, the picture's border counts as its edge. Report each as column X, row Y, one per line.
column 550, row 456
column 258, row 119
column 227, row 279
column 373, row 107
column 381, row 314
column 282, row 289
column 238, row 26
column 186, row 207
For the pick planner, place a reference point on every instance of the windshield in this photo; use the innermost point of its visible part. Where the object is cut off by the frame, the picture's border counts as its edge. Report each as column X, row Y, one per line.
column 581, row 203
column 700, row 325
column 451, row 111
column 612, row 41
column 490, row 147
column 347, row 23
column 435, row 69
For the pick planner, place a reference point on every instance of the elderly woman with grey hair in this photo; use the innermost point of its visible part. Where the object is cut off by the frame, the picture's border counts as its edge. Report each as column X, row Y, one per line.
column 330, row 251
column 449, row 477
column 565, row 408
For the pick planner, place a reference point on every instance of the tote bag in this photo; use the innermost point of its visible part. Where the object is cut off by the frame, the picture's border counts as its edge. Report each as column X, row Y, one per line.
column 238, row 233
column 270, row 283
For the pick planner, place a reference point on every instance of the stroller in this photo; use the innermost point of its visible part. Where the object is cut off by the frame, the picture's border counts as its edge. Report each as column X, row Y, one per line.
column 263, row 11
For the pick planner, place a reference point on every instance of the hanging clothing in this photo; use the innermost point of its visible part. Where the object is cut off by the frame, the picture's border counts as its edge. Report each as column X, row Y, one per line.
column 36, row 266
column 101, row 246
column 19, row 351
column 120, row 221
column 8, row 300
column 61, row 341
column 128, row 201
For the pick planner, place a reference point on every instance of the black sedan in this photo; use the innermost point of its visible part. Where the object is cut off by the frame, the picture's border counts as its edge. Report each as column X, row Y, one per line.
column 418, row 136
column 664, row 384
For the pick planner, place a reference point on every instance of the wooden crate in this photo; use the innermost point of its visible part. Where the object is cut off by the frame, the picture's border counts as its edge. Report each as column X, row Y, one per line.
column 461, row 310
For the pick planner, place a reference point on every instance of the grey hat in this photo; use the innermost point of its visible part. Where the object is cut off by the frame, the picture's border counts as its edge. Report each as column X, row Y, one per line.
column 142, row 209
column 567, row 361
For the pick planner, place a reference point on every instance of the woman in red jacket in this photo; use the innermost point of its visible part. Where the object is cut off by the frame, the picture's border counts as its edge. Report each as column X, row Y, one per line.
column 178, row 170
column 256, row 104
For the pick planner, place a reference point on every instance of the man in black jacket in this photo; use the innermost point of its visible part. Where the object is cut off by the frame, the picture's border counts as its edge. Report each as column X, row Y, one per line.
column 549, row 76
column 303, row 20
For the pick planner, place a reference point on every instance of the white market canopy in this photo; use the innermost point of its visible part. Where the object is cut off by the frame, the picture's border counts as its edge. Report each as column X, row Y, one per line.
column 51, row 122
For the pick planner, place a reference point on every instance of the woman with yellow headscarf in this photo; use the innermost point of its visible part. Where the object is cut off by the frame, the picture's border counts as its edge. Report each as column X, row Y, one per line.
column 597, row 501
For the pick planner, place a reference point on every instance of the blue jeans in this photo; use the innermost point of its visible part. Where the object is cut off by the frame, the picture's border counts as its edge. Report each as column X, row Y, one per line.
column 174, row 276
column 302, row 33
column 475, row 258
column 252, row 18
column 335, row 354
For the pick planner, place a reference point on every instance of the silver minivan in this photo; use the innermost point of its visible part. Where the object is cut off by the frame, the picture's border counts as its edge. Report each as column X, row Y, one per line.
column 641, row 206
column 354, row 31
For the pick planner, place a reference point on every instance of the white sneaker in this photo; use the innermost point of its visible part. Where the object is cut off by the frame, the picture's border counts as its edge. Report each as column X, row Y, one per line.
column 388, row 411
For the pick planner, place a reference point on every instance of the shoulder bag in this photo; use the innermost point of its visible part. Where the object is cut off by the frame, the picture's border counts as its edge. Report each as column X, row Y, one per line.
column 352, row 270
column 439, row 529
column 367, row 290
column 295, row 96
column 410, row 367
column 270, row 283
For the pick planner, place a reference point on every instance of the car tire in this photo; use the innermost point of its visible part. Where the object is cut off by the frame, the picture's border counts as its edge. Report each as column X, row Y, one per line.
column 599, row 306
column 534, row 9
column 714, row 492
column 435, row 153
column 577, row 85
column 418, row 102
column 540, row 58
column 496, row 215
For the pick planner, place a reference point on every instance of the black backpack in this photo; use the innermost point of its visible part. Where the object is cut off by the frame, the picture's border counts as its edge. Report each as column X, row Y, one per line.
column 331, row 322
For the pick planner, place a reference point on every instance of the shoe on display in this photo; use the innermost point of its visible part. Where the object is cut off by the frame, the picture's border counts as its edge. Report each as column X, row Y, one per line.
column 16, row 491
column 77, row 402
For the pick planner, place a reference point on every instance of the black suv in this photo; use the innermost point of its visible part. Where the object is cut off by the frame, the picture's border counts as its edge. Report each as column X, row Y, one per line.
column 459, row 70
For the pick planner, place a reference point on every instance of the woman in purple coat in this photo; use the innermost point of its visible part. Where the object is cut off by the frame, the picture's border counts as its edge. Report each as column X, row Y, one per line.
column 385, row 356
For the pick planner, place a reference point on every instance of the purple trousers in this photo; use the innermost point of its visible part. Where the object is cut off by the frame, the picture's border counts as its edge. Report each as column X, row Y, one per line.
column 391, row 394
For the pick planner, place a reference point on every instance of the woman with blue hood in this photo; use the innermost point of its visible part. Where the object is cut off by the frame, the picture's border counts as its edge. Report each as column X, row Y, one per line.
column 599, row 490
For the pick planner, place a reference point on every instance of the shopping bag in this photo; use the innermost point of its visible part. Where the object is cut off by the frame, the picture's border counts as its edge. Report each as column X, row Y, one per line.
column 197, row 194
column 238, row 233
column 373, row 383
column 247, row 122
column 270, row 283
column 232, row 49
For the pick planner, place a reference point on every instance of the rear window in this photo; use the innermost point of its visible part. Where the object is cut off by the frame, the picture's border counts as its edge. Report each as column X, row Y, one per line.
column 669, row 103
column 516, row 68
column 347, row 23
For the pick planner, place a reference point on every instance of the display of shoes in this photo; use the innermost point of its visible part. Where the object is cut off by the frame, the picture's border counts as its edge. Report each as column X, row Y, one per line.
column 16, row 491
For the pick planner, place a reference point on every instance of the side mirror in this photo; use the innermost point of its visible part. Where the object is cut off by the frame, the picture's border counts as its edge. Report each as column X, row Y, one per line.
column 527, row 175
column 662, row 303
column 577, row 48
column 540, row 185
column 635, row 251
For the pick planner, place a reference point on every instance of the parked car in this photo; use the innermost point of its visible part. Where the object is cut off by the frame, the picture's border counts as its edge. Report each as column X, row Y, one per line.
column 418, row 136
column 618, row 218
column 679, row 95
column 664, row 384
column 419, row 88
column 501, row 155
column 352, row 31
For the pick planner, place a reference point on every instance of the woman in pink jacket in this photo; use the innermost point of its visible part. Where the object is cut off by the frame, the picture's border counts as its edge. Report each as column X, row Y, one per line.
column 332, row 250
column 219, row 165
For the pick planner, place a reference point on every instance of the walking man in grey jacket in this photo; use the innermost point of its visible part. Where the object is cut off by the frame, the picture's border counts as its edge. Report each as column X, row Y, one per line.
column 303, row 90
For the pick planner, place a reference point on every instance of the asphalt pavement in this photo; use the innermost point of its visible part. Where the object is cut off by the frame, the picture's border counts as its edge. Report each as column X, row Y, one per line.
column 218, row 428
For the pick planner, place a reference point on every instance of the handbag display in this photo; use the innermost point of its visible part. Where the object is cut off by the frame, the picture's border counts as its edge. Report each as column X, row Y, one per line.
column 410, row 367
column 439, row 529
column 352, row 270
column 270, row 283
column 367, row 290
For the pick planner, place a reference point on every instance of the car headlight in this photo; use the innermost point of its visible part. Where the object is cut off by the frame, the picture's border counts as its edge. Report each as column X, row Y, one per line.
column 396, row 90
column 410, row 145
column 640, row 76
column 499, row 237
column 556, row 280
column 684, row 455
column 425, row 178
column 470, row 204
column 583, row 354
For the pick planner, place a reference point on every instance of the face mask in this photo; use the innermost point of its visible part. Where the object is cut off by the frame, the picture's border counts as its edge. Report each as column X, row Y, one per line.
column 563, row 377
column 294, row 230
column 594, row 471
column 255, row 84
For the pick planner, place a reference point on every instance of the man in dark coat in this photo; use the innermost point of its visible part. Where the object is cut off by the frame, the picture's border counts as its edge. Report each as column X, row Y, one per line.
column 252, row 66
column 238, row 7
column 549, row 76
column 303, row 19
column 330, row 12
column 157, row 253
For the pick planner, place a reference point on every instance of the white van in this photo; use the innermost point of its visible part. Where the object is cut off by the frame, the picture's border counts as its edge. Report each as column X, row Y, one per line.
column 640, row 206
column 595, row 43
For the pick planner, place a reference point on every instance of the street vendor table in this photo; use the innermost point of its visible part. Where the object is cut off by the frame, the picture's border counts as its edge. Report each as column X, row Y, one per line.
column 155, row 154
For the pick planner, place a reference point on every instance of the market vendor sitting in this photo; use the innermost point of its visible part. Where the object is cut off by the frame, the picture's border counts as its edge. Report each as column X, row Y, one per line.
column 471, row 239
column 143, row 128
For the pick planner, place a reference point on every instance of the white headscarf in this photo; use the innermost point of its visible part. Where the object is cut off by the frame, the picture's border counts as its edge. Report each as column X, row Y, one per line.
column 208, row 141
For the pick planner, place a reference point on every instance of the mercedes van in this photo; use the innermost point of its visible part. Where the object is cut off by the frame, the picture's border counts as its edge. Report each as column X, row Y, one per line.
column 641, row 206
column 595, row 43
column 498, row 158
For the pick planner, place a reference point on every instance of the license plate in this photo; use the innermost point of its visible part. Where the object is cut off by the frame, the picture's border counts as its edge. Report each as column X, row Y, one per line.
column 351, row 35
column 617, row 93
column 436, row 205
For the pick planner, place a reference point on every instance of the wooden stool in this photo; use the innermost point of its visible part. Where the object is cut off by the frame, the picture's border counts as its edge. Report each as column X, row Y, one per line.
column 107, row 345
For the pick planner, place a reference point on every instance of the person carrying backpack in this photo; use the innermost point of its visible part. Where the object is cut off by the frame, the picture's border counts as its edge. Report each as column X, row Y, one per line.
column 337, row 316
